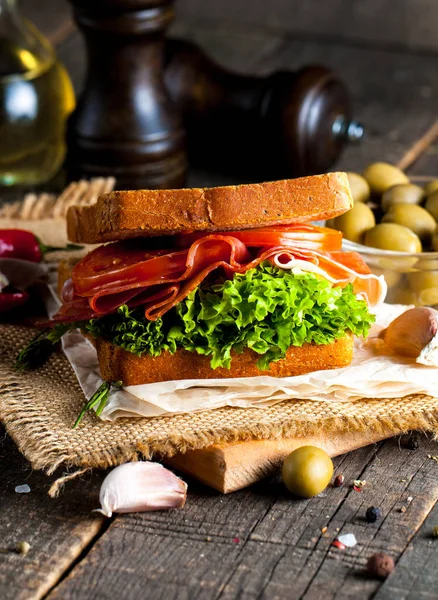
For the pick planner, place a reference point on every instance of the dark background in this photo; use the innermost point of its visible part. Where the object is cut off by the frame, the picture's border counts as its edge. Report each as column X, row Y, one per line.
column 400, row 24
column 384, row 50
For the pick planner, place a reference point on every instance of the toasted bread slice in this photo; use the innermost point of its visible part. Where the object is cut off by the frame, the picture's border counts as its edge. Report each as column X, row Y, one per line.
column 117, row 364
column 130, row 214
column 65, row 268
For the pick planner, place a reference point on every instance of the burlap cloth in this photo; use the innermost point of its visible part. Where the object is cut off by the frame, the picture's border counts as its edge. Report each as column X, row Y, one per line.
column 38, row 409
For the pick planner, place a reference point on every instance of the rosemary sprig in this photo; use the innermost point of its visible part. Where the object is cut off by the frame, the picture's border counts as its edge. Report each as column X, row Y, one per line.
column 99, row 399
column 39, row 349
column 67, row 248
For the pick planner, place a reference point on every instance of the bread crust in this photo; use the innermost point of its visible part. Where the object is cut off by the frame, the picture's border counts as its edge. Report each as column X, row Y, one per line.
column 129, row 214
column 117, row 364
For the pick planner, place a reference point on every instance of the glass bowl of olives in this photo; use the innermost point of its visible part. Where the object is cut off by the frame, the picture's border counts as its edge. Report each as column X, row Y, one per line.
column 393, row 225
column 412, row 278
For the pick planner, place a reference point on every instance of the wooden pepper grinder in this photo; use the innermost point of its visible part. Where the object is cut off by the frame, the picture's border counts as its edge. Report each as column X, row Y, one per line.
column 125, row 124
column 286, row 124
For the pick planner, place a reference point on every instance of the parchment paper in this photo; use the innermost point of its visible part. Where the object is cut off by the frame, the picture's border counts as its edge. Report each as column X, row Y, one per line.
column 370, row 375
column 23, row 273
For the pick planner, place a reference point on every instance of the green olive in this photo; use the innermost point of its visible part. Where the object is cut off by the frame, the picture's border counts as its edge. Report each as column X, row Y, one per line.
column 307, row 471
column 392, row 236
column 403, row 193
column 360, row 190
column 401, row 295
column 427, row 264
column 381, row 176
column 419, row 280
column 355, row 222
column 391, row 277
column 425, row 285
column 432, row 205
column 428, row 297
column 431, row 186
column 415, row 218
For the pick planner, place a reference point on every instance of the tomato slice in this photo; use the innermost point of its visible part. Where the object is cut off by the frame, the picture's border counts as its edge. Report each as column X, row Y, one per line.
column 299, row 236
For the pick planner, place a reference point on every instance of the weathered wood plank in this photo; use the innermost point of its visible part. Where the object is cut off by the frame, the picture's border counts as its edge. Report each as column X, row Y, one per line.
column 313, row 569
column 57, row 530
column 241, row 50
column 416, row 574
column 409, row 26
column 262, row 543
column 427, row 163
column 190, row 553
column 406, row 24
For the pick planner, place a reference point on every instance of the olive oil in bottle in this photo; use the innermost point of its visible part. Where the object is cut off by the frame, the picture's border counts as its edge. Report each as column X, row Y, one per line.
column 36, row 97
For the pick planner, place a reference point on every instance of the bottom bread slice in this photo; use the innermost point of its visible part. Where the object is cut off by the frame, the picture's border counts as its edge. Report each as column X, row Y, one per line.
column 117, row 364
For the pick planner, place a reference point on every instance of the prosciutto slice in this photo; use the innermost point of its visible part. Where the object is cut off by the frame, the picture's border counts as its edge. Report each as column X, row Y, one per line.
column 121, row 273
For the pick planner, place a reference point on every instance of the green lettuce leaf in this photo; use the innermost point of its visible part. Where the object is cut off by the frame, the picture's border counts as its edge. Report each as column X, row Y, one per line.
column 266, row 309
column 131, row 331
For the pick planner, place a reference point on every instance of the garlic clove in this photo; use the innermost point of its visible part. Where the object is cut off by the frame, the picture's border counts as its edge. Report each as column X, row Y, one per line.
column 3, row 281
column 139, row 487
column 414, row 334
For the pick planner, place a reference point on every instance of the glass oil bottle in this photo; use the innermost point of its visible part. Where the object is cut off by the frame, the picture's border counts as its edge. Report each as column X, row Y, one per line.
column 36, row 97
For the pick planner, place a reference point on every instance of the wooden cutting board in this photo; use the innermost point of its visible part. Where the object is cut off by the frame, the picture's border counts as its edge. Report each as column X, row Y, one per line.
column 231, row 467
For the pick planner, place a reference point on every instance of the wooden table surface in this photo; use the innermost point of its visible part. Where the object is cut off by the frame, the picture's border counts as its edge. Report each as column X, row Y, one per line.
column 257, row 543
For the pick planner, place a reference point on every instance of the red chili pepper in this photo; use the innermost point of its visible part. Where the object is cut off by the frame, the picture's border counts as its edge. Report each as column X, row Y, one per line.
column 18, row 243
column 9, row 300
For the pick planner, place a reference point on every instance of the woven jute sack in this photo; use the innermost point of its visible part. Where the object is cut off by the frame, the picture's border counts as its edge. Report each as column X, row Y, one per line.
column 39, row 408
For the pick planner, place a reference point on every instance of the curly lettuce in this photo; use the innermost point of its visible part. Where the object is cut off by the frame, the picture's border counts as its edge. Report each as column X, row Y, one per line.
column 266, row 309
column 130, row 330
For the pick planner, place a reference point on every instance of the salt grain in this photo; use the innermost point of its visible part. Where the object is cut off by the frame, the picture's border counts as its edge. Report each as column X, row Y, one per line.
column 22, row 489
column 348, row 539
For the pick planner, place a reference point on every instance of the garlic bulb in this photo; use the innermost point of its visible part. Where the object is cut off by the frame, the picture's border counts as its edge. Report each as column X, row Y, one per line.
column 414, row 334
column 139, row 487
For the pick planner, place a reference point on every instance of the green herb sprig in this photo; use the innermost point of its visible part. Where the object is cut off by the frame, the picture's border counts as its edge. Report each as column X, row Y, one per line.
column 99, row 399
column 39, row 349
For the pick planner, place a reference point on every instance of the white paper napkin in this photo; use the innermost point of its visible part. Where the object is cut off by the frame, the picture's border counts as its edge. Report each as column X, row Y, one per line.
column 369, row 375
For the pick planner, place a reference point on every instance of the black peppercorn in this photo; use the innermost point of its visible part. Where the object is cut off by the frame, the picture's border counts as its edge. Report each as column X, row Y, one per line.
column 373, row 514
column 339, row 481
column 380, row 565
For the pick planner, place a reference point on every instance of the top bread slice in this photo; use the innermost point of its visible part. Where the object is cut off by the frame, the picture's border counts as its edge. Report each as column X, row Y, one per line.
column 140, row 213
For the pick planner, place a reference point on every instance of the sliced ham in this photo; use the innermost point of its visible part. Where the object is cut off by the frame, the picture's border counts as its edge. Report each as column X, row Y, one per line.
column 121, row 273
